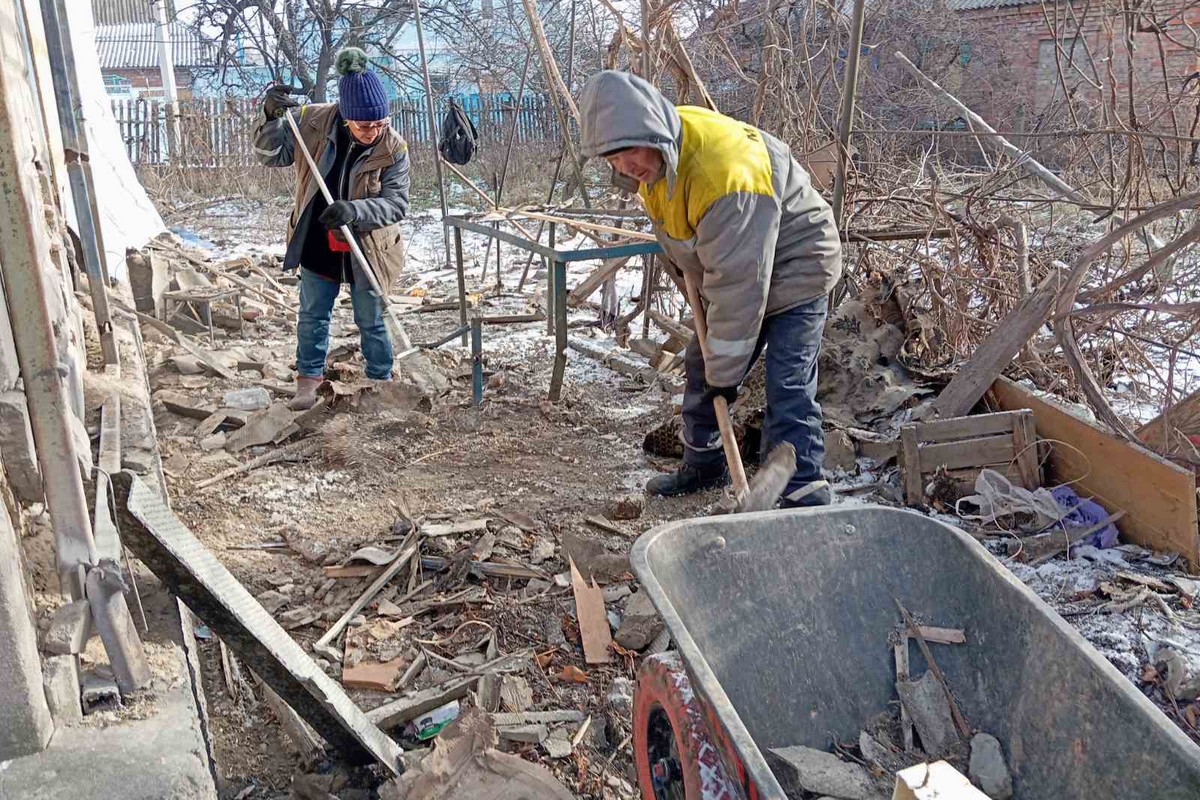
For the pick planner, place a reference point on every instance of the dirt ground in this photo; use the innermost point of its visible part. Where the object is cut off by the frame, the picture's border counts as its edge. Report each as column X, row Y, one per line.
column 536, row 471
column 553, row 464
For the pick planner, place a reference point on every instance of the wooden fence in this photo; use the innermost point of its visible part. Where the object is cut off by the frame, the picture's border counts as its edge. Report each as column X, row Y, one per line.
column 218, row 132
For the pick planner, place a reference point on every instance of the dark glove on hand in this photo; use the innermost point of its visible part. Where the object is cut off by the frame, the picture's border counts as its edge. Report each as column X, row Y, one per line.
column 340, row 213
column 277, row 101
column 730, row 393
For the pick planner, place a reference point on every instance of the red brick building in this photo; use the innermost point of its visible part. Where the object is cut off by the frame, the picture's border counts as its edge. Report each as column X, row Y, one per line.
column 1081, row 51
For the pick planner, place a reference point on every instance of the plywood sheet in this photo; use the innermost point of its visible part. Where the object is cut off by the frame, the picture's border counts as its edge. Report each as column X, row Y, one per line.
column 1159, row 497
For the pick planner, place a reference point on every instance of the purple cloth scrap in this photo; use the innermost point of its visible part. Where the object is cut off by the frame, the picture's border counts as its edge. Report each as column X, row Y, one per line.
column 1083, row 513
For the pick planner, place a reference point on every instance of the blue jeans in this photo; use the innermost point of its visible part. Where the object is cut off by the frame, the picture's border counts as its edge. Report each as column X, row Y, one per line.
column 792, row 341
column 317, row 295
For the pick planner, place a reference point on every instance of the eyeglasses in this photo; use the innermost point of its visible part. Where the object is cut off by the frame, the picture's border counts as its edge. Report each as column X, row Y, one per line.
column 370, row 126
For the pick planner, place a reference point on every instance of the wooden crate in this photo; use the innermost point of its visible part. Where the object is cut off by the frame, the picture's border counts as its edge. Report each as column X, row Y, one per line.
column 1004, row 441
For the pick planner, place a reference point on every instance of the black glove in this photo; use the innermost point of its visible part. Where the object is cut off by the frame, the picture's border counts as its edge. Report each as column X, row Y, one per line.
column 340, row 213
column 728, row 392
column 277, row 101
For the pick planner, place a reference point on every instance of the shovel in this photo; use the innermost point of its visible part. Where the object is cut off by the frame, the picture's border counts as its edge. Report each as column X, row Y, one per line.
column 773, row 476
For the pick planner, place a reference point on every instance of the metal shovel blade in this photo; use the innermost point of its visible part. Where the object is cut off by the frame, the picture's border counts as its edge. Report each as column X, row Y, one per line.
column 770, row 480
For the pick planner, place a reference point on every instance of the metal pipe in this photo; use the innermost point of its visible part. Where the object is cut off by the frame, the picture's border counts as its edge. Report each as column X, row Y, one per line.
column 79, row 172
column 166, row 66
column 846, row 123
column 433, row 131
column 25, row 245
column 560, row 330
column 550, row 291
column 462, row 282
column 477, row 361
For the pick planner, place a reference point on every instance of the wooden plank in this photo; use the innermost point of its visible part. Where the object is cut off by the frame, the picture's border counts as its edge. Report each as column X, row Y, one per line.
column 1026, row 450
column 1163, row 432
column 910, row 466
column 308, row 745
column 998, row 350
column 1159, row 497
column 901, row 652
column 944, row 430
column 592, row 282
column 970, row 453
column 593, row 620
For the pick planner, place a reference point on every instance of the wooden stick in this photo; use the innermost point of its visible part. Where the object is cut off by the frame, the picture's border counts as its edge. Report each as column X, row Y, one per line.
column 490, row 200
column 595, row 226
column 737, row 470
column 915, row 631
column 402, row 558
column 306, row 741
column 294, row 450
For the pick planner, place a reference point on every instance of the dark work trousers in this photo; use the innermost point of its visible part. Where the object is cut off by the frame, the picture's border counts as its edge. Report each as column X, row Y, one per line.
column 792, row 342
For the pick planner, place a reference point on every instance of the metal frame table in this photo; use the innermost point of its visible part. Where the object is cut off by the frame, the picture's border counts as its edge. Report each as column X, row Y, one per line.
column 556, row 278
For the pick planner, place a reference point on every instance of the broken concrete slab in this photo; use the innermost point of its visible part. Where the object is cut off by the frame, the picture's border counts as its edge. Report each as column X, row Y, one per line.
column 186, row 365
column 558, row 744
column 925, row 701
column 184, row 406
column 988, row 769
column 70, row 628
column 60, row 679
column 99, row 691
column 262, row 427
column 180, row 561
column 641, row 624
column 803, row 768
column 110, row 613
column 16, row 442
column 410, row 707
column 524, row 734
column 543, row 717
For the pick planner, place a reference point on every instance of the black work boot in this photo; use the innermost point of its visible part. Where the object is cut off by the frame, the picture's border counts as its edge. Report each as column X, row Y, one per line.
column 688, row 479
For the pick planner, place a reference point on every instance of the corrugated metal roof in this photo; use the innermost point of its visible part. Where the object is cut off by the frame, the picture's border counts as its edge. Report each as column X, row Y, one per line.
column 973, row 5
column 134, row 46
column 119, row 12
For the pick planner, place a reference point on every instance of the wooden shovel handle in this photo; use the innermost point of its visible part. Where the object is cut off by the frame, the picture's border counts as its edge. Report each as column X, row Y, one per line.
column 737, row 471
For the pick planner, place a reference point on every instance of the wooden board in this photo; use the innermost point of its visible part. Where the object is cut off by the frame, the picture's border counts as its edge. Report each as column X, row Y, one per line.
column 972, row 379
column 593, row 620
column 1159, row 498
column 943, row 430
column 971, row 453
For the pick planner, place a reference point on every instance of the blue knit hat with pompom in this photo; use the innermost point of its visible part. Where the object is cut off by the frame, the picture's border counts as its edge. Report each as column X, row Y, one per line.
column 361, row 97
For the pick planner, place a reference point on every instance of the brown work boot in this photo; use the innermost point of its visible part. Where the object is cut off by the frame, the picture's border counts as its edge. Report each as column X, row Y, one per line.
column 306, row 393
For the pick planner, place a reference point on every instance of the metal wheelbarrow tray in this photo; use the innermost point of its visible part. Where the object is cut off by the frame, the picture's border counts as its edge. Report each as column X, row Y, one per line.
column 781, row 620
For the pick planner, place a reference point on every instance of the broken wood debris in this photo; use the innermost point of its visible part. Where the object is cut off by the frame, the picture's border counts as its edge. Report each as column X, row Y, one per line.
column 593, row 621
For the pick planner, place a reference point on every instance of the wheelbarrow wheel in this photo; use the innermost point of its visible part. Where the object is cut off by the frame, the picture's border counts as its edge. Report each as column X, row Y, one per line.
column 674, row 756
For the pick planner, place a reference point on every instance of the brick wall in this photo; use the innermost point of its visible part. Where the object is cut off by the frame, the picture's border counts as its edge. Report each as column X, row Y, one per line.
column 1092, row 62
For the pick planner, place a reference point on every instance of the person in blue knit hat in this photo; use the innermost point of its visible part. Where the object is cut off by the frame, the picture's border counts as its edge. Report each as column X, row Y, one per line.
column 365, row 165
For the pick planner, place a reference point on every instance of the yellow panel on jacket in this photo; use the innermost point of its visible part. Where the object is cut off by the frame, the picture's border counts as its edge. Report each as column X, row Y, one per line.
column 718, row 156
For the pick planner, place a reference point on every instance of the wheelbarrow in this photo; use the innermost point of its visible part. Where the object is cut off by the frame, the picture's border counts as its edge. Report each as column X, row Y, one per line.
column 782, row 623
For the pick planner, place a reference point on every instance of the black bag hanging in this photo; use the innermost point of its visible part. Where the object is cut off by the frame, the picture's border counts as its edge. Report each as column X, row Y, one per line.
column 459, row 137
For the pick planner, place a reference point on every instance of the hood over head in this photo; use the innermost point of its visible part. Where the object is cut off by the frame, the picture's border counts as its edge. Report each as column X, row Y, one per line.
column 619, row 110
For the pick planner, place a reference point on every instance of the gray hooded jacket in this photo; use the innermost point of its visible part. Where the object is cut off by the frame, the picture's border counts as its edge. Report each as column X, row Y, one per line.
column 732, row 210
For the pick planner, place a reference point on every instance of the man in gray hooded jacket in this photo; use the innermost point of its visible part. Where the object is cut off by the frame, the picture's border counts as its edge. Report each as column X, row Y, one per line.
column 740, row 218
